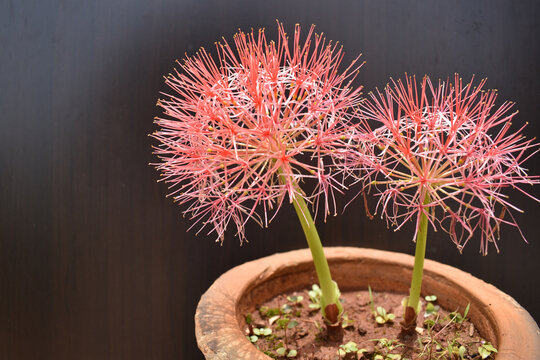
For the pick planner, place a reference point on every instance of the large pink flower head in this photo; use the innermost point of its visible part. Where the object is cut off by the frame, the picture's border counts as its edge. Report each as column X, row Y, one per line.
column 240, row 132
column 445, row 151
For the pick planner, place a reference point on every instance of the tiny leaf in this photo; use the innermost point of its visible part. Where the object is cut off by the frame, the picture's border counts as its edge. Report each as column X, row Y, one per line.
column 371, row 303
column 429, row 323
column 295, row 299
column 282, row 322
column 292, row 353
column 350, row 346
column 483, row 352
column 286, row 308
column 292, row 324
column 466, row 310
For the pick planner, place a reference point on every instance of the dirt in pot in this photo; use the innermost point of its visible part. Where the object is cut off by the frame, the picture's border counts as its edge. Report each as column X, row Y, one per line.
column 290, row 326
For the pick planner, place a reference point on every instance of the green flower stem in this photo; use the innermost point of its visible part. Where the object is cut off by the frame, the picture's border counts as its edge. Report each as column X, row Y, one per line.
column 330, row 291
column 419, row 255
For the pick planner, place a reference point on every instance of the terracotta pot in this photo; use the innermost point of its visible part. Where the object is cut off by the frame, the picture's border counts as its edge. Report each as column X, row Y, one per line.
column 219, row 320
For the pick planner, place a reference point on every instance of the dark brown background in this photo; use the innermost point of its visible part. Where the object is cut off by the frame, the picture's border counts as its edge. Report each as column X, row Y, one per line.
column 95, row 263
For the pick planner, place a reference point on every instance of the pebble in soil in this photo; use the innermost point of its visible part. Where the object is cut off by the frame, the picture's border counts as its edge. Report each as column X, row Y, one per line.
column 290, row 326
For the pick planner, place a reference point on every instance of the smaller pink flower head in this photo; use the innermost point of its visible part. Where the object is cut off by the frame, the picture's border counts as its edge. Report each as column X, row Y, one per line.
column 445, row 151
column 240, row 132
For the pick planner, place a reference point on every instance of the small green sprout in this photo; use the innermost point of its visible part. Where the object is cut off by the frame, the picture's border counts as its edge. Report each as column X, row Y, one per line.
column 345, row 321
column 285, row 309
column 431, row 308
column 387, row 357
column 282, row 323
column 295, row 300
column 262, row 331
column 292, row 324
column 253, row 338
column 283, row 350
column 462, row 351
column 466, row 310
column 454, row 349
column 380, row 315
column 350, row 347
column 286, row 323
column 429, row 323
column 457, row 317
column 371, row 303
column 389, row 344
column 385, row 346
column 486, row 350
column 268, row 312
column 315, row 297
column 292, row 353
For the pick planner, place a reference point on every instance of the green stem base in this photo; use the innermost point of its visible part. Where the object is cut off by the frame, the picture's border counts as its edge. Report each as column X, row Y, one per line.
column 330, row 306
column 413, row 302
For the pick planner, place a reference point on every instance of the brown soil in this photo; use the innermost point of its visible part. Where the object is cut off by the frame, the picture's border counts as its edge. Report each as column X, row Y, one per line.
column 297, row 326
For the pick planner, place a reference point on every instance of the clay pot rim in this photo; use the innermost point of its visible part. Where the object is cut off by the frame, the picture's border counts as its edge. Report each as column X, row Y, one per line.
column 515, row 329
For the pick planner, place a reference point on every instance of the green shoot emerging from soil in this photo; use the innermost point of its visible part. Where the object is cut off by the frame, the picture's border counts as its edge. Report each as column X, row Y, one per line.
column 380, row 315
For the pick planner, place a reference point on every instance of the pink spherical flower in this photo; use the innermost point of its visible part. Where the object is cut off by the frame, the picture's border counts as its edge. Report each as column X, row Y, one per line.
column 448, row 152
column 240, row 132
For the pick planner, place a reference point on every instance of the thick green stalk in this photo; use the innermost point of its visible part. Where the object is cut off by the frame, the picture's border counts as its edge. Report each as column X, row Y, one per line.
column 419, row 255
column 330, row 291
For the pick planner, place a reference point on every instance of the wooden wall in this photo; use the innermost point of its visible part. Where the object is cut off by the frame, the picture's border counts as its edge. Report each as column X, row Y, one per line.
column 95, row 262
